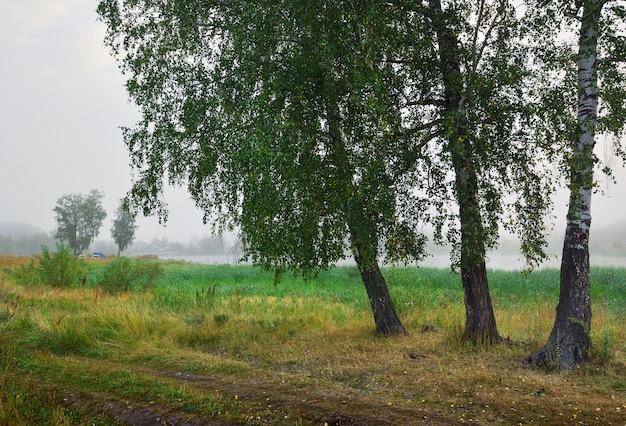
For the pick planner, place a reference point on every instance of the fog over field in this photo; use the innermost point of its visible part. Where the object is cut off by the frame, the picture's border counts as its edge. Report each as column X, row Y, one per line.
column 62, row 102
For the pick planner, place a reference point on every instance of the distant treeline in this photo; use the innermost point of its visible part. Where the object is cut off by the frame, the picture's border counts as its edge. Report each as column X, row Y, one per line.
column 608, row 240
column 31, row 244
column 205, row 245
column 26, row 244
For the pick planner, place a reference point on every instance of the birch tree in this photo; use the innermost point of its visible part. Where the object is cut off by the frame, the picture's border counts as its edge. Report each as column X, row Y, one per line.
column 283, row 124
column 600, row 108
column 480, row 322
column 483, row 103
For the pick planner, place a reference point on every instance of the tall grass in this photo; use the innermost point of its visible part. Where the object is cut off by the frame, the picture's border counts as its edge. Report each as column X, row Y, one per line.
column 235, row 320
column 199, row 306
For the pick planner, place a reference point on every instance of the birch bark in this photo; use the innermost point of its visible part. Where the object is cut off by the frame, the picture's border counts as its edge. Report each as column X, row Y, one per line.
column 569, row 342
column 480, row 321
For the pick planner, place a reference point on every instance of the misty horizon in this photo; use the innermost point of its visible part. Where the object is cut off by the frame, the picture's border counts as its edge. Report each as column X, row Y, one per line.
column 607, row 248
column 63, row 103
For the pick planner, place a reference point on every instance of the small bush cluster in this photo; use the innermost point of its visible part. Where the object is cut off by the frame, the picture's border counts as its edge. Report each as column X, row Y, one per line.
column 58, row 269
column 125, row 274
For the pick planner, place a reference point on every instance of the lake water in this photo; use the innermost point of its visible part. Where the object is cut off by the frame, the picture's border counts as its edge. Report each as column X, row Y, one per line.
column 506, row 262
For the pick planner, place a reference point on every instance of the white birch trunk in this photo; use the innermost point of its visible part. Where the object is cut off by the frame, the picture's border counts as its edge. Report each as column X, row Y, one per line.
column 580, row 212
column 569, row 341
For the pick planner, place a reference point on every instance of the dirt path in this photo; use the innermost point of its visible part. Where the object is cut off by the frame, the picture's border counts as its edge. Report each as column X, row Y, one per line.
column 281, row 402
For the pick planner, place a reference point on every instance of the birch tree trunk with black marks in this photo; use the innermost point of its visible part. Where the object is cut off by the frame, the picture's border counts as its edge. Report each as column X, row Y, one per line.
column 385, row 315
column 480, row 322
column 362, row 231
column 569, row 342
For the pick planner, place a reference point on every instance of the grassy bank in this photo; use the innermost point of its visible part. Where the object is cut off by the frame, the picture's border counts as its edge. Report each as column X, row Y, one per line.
column 226, row 345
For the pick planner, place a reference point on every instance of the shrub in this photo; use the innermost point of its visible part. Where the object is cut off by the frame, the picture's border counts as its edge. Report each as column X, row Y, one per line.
column 58, row 269
column 124, row 274
column 26, row 274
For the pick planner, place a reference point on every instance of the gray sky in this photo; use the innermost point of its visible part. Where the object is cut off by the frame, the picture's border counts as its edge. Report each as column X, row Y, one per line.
column 61, row 104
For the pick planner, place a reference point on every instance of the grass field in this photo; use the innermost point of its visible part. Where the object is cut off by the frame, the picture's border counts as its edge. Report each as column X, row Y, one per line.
column 225, row 345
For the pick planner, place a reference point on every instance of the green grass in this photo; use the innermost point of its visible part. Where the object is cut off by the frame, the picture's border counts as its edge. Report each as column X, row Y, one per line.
column 226, row 343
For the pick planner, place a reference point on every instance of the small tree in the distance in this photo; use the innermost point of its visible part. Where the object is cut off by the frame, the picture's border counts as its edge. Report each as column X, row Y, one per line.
column 123, row 230
column 79, row 218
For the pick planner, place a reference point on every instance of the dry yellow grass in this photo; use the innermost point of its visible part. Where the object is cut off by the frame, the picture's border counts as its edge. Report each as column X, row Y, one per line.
column 310, row 360
column 10, row 262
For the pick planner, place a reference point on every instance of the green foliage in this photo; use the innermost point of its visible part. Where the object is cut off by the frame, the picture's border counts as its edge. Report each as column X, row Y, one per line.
column 125, row 274
column 275, row 122
column 276, row 125
column 318, row 126
column 124, row 227
column 58, row 269
column 11, row 303
column 61, row 269
column 26, row 274
column 79, row 218
column 290, row 120
column 489, row 89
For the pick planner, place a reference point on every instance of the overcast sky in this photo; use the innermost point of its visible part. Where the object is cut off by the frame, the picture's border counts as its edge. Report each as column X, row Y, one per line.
column 62, row 102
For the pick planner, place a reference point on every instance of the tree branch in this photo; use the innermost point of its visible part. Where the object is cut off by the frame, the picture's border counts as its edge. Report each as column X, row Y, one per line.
column 497, row 20
column 425, row 102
